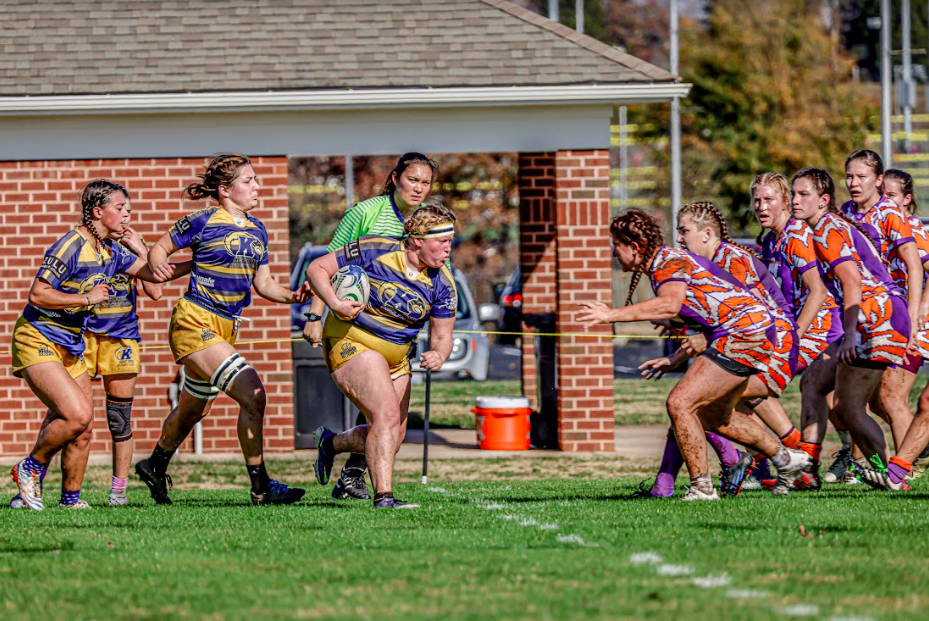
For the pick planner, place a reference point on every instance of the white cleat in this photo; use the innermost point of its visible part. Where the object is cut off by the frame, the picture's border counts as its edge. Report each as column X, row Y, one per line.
column 788, row 473
column 80, row 504
column 693, row 493
column 117, row 500
column 30, row 486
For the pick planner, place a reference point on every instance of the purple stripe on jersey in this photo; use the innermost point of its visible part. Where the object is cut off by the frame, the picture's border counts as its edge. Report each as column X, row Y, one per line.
column 770, row 285
column 872, row 262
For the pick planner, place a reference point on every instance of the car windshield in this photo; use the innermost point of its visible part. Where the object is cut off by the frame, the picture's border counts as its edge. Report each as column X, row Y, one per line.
column 464, row 311
column 305, row 258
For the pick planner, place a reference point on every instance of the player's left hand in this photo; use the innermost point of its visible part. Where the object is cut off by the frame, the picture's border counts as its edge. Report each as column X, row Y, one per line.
column 694, row 345
column 430, row 361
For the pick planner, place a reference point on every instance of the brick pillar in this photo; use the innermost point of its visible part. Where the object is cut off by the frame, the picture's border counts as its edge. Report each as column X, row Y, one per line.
column 536, row 252
column 565, row 258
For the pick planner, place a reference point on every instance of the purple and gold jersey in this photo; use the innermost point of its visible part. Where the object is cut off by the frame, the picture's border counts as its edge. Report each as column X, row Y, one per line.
column 716, row 303
column 117, row 318
column 72, row 266
column 226, row 256
column 398, row 305
column 889, row 228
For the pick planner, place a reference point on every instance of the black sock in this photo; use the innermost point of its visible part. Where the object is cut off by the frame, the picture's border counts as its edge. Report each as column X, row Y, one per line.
column 355, row 461
column 160, row 459
column 259, row 478
column 381, row 495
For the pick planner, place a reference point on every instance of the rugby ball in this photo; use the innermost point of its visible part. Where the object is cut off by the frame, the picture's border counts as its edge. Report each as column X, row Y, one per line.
column 351, row 283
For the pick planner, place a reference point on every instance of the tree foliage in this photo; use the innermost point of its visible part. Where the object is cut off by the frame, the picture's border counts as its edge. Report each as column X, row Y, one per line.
column 772, row 92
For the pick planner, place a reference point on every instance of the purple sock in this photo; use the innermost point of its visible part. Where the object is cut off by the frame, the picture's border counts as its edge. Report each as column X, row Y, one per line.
column 31, row 463
column 671, row 462
column 727, row 453
column 897, row 472
column 760, row 471
column 70, row 498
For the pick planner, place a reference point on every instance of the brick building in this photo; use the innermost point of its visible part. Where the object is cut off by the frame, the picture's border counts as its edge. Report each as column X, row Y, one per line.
column 142, row 93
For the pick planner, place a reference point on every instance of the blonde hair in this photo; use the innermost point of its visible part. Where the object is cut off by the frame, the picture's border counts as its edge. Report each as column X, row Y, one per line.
column 426, row 217
column 777, row 181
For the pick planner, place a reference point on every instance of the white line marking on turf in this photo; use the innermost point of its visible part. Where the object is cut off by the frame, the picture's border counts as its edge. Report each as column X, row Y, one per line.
column 675, row 570
column 641, row 558
column 712, row 581
column 577, row 540
column 746, row 594
column 799, row 610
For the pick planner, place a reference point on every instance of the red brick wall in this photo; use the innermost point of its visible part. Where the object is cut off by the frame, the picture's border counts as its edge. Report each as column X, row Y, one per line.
column 40, row 201
column 564, row 221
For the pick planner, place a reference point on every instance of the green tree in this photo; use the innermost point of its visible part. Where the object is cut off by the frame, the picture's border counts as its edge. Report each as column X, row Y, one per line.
column 772, row 92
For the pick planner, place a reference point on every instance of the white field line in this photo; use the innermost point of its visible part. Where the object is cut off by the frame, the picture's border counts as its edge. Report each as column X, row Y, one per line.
column 521, row 520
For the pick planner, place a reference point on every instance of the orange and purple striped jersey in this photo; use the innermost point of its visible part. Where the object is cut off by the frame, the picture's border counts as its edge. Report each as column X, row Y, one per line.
column 889, row 229
column 715, row 303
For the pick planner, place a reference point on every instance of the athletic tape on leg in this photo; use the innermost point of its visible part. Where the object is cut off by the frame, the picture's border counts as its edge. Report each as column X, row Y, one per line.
column 200, row 389
column 228, row 370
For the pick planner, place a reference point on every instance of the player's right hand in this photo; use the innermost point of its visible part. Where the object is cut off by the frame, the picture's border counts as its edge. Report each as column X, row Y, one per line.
column 313, row 333
column 99, row 294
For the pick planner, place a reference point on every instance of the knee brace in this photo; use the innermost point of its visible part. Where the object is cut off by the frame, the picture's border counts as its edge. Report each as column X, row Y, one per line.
column 228, row 371
column 118, row 414
column 201, row 389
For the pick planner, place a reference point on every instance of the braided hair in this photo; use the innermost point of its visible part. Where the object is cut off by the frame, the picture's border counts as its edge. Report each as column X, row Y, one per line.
column 705, row 213
column 222, row 170
column 406, row 160
column 906, row 184
column 635, row 226
column 97, row 194
column 825, row 186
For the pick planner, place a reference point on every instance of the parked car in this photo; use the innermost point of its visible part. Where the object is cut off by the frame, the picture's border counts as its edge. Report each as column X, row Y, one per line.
column 307, row 254
column 470, row 357
column 511, row 304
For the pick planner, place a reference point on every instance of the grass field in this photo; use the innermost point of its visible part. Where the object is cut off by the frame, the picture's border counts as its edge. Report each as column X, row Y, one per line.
column 637, row 401
column 513, row 546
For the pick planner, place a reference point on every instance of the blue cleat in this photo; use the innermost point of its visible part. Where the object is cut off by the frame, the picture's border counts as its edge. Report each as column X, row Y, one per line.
column 730, row 481
column 278, row 494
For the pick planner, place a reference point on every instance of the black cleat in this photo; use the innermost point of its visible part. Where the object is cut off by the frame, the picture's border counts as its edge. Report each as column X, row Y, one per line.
column 158, row 484
column 351, row 486
column 392, row 503
column 278, row 494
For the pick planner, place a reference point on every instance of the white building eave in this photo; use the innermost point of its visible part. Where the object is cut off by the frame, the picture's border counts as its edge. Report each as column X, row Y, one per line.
column 372, row 99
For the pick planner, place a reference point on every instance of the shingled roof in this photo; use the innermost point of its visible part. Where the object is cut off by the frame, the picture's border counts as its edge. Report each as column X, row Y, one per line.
column 103, row 47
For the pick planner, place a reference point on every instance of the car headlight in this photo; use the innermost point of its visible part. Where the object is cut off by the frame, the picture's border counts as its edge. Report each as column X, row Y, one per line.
column 459, row 348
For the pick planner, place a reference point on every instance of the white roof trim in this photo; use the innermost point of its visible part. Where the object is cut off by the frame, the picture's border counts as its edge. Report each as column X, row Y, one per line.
column 342, row 99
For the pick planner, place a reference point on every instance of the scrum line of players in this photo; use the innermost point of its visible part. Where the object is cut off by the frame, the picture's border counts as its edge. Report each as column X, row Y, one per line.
column 837, row 293
column 80, row 321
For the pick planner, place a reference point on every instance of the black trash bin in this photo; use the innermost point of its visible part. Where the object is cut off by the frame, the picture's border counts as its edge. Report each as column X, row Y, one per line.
column 317, row 400
column 543, row 425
